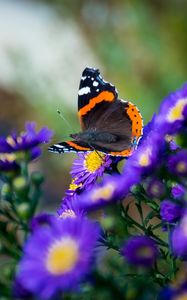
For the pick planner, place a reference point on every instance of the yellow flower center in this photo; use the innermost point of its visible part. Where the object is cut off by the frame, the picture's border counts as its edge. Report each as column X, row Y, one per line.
column 93, row 161
column 175, row 112
column 145, row 252
column 73, row 186
column 62, row 256
column 155, row 189
column 103, row 193
column 7, row 157
column 181, row 297
column 144, row 159
column 10, row 141
column 69, row 213
column 181, row 167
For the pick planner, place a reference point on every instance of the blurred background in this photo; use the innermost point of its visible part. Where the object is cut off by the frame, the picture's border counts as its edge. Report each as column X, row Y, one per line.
column 139, row 46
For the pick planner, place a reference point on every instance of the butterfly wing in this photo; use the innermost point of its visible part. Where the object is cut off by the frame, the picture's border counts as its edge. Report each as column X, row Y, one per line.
column 69, row 146
column 100, row 110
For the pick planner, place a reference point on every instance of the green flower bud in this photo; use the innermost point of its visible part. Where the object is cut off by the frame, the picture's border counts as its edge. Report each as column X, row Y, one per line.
column 107, row 223
column 37, row 178
column 20, row 185
column 23, row 211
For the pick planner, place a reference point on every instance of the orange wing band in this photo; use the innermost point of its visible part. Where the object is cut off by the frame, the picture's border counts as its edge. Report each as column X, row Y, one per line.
column 125, row 153
column 136, row 118
column 103, row 96
column 77, row 146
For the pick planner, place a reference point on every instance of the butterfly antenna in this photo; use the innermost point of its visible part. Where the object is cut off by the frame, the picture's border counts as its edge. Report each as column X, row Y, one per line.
column 64, row 119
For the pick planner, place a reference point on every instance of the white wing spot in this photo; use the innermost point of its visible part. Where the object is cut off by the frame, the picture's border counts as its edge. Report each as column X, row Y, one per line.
column 83, row 77
column 97, row 90
column 92, row 78
column 84, row 90
column 95, row 83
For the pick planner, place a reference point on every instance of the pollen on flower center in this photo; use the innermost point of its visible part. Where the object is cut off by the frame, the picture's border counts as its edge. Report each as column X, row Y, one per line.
column 68, row 213
column 93, row 161
column 62, row 256
column 7, row 157
column 104, row 193
column 175, row 112
column 144, row 159
column 145, row 252
column 181, row 167
column 10, row 141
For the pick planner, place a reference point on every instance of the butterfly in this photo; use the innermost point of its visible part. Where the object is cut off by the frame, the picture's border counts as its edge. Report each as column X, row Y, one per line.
column 109, row 125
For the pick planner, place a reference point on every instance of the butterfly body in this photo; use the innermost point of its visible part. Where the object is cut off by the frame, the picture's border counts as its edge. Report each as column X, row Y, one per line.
column 109, row 125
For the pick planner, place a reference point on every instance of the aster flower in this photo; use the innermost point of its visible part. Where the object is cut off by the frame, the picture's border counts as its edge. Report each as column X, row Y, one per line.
column 69, row 209
column 177, row 163
column 178, row 191
column 140, row 251
column 112, row 189
column 147, row 157
column 170, row 211
column 179, row 238
column 89, row 166
column 170, row 119
column 19, row 292
column 58, row 257
column 8, row 162
column 26, row 141
column 155, row 188
column 43, row 219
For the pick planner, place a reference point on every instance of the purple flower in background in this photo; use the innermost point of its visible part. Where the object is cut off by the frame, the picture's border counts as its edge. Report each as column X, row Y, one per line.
column 8, row 162
column 69, row 209
column 170, row 211
column 89, row 166
column 147, row 157
column 26, row 141
column 177, row 163
column 155, row 188
column 58, row 257
column 178, row 191
column 179, row 238
column 112, row 189
column 170, row 119
column 140, row 251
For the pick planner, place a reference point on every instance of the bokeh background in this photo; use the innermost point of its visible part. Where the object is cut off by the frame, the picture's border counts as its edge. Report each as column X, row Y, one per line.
column 140, row 46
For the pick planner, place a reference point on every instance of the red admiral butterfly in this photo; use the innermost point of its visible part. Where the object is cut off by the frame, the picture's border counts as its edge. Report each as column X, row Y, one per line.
column 109, row 125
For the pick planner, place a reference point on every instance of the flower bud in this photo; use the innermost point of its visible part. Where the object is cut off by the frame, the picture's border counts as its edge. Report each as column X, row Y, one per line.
column 20, row 185
column 37, row 178
column 107, row 223
column 23, row 210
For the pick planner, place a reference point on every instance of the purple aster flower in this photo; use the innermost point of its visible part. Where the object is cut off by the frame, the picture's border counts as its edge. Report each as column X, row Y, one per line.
column 69, row 209
column 8, row 162
column 112, row 189
column 26, row 141
column 58, row 257
column 177, row 163
column 179, row 238
column 178, row 191
column 147, row 157
column 170, row 211
column 89, row 166
column 170, row 119
column 140, row 250
column 155, row 188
